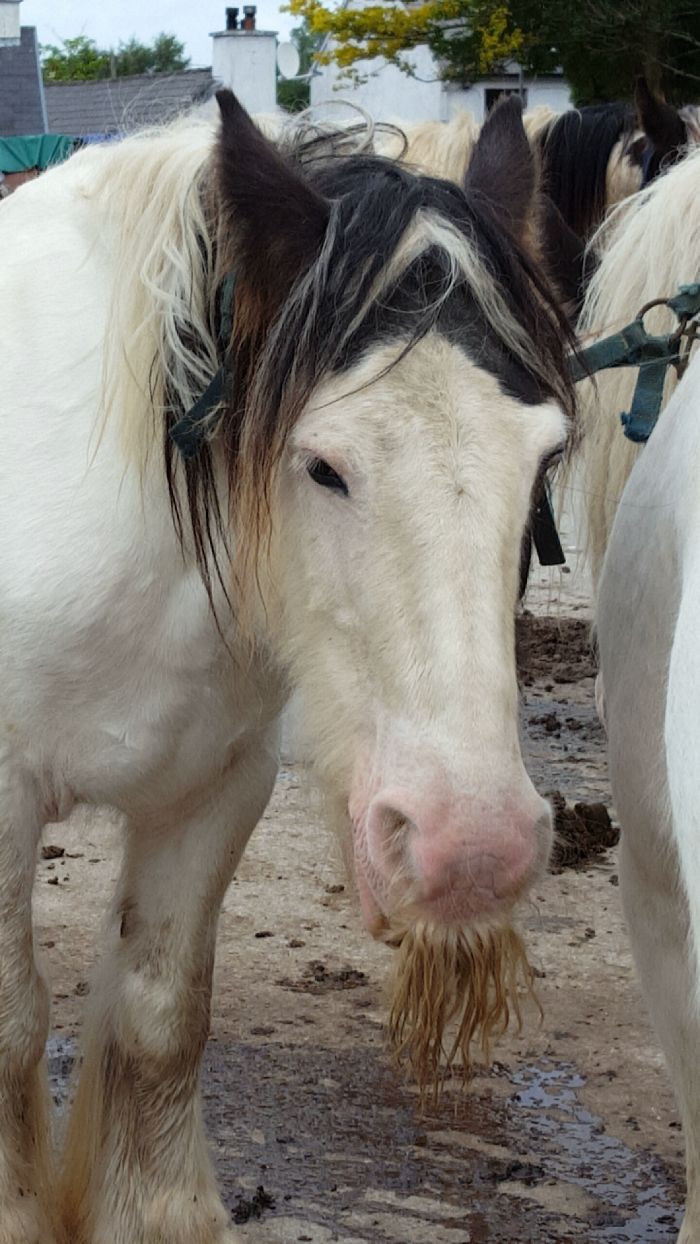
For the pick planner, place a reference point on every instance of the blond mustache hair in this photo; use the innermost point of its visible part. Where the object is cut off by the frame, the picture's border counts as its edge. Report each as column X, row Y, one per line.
column 465, row 980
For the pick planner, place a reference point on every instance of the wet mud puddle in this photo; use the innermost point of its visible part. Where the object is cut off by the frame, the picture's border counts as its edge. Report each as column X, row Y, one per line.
column 315, row 1147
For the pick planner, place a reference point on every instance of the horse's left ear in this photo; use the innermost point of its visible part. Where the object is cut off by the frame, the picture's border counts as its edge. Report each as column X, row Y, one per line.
column 659, row 120
column 502, row 170
column 277, row 219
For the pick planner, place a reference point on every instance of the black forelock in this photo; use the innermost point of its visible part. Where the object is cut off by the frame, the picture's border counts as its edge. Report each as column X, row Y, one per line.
column 377, row 201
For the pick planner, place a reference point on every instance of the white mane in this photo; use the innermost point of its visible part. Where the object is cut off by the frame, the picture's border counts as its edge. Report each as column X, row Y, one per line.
column 538, row 120
column 149, row 190
column 439, row 148
column 444, row 148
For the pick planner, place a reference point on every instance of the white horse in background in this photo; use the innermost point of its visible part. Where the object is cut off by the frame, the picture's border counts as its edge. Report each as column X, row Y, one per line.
column 648, row 622
column 343, row 517
column 649, row 248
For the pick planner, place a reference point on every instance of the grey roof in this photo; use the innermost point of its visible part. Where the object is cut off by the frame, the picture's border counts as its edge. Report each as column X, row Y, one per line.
column 22, row 109
column 112, row 105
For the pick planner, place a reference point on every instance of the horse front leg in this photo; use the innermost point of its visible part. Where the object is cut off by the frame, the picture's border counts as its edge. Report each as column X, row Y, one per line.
column 136, row 1168
column 27, row 1214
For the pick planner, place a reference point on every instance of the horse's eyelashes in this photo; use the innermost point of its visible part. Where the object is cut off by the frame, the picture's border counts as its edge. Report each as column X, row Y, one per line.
column 322, row 473
column 551, row 459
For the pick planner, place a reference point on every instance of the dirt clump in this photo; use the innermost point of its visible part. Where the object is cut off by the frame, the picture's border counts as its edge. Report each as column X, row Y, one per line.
column 582, row 833
column 555, row 650
column 246, row 1208
column 51, row 852
column 318, row 979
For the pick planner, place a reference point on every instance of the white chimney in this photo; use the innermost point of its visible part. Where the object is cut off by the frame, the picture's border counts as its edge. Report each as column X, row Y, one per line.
column 245, row 59
column 9, row 23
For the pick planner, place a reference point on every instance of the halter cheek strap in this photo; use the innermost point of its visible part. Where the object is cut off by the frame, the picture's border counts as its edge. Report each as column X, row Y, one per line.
column 192, row 429
column 543, row 529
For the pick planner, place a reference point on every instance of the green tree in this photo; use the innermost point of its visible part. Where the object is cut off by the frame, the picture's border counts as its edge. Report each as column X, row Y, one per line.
column 77, row 58
column 165, row 55
column 603, row 44
column 293, row 93
column 80, row 58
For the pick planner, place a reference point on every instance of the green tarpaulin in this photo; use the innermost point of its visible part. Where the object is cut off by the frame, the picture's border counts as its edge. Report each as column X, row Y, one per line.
column 34, row 151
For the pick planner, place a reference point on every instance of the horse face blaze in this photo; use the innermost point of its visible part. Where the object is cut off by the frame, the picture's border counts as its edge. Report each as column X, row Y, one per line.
column 405, row 582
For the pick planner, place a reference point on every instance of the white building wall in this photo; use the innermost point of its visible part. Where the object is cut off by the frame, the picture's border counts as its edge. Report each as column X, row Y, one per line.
column 246, row 61
column 390, row 95
column 465, row 99
column 552, row 92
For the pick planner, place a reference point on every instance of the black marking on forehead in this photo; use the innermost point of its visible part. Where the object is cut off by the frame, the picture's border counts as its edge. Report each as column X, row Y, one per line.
column 459, row 319
column 378, row 201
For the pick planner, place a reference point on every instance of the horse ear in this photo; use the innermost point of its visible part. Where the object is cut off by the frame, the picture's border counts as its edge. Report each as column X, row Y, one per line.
column 660, row 122
column 502, row 170
column 277, row 220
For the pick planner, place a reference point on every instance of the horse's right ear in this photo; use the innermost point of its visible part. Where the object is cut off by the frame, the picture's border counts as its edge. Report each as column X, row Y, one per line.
column 659, row 120
column 276, row 219
column 502, row 170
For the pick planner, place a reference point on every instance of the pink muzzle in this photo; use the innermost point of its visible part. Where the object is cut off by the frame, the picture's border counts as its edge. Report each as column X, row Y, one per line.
column 451, row 858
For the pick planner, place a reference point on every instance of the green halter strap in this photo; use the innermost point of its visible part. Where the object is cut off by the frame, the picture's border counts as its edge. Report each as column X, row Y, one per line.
column 192, row 429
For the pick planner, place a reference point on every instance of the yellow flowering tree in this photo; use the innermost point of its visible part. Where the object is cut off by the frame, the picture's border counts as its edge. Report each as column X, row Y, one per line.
column 469, row 37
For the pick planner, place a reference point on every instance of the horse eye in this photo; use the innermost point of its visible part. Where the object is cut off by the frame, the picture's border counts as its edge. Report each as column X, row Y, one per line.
column 551, row 459
column 323, row 474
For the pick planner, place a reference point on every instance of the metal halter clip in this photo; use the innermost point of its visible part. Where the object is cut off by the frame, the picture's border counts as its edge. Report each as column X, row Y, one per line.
column 633, row 346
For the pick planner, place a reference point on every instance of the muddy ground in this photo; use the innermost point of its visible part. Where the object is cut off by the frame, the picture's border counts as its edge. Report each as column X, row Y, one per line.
column 572, row 1135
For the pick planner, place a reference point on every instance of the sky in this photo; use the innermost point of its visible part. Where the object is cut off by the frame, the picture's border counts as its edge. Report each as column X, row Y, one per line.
column 110, row 21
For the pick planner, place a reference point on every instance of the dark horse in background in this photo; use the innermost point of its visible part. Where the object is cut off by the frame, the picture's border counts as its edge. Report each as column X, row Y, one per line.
column 593, row 157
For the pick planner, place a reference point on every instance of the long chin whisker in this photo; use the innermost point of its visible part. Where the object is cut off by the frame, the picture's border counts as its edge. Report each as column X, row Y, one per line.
column 467, row 981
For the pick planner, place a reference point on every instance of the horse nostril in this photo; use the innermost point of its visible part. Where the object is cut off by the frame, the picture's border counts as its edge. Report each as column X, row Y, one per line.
column 390, row 831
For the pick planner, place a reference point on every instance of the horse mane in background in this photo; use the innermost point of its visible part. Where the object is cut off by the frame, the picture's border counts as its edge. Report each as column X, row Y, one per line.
column 438, row 148
column 444, row 148
column 592, row 157
column 536, row 120
column 596, row 156
column 648, row 249
column 585, row 163
column 690, row 116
